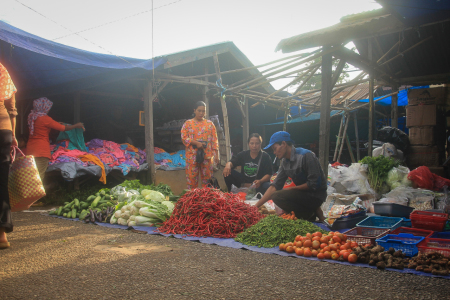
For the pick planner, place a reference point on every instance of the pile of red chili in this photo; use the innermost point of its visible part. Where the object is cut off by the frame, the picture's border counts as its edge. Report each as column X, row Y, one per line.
column 210, row 212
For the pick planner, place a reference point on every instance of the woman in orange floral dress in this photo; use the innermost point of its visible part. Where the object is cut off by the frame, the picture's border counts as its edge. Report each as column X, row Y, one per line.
column 199, row 133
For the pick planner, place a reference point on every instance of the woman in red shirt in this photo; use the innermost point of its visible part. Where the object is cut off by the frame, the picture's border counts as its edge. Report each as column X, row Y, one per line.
column 40, row 125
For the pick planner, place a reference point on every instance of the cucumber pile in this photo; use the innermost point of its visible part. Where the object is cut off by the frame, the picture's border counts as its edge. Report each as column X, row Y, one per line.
column 100, row 202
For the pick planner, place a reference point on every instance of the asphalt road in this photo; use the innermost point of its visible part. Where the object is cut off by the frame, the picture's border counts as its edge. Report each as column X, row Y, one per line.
column 52, row 258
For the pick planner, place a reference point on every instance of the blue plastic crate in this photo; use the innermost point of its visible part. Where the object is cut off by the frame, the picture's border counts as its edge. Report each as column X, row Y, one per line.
column 380, row 222
column 406, row 222
column 403, row 241
column 441, row 235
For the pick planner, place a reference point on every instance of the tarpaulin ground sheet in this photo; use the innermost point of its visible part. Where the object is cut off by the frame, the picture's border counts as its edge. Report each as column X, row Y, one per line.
column 231, row 243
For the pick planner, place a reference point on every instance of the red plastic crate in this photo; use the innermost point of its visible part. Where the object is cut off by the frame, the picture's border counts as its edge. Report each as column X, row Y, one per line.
column 428, row 220
column 435, row 245
column 365, row 235
column 413, row 231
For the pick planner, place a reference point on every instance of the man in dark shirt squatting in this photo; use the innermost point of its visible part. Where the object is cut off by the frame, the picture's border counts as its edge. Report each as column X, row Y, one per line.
column 303, row 167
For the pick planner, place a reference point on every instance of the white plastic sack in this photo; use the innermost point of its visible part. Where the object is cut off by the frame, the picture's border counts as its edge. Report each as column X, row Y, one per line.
column 353, row 178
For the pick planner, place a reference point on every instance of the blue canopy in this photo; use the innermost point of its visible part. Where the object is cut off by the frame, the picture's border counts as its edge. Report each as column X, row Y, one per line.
column 37, row 65
column 402, row 97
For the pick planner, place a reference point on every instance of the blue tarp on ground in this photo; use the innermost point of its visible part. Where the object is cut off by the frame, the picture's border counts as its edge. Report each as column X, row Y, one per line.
column 36, row 64
column 231, row 243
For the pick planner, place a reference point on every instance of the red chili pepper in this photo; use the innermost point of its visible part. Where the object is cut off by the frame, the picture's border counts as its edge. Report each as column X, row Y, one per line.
column 209, row 212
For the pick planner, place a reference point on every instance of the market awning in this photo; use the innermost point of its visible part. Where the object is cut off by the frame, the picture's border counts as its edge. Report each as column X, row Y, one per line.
column 36, row 64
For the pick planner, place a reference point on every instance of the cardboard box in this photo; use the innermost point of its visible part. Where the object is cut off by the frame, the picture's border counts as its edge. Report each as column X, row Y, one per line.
column 423, row 156
column 421, row 135
column 427, row 96
column 421, row 115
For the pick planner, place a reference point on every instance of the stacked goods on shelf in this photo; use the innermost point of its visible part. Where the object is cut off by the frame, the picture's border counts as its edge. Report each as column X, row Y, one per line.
column 424, row 118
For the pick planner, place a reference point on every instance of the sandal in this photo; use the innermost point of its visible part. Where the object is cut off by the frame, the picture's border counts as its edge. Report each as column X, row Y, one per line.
column 5, row 245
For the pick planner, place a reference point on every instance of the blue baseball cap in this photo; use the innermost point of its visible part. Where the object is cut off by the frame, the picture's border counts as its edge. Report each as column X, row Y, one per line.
column 279, row 136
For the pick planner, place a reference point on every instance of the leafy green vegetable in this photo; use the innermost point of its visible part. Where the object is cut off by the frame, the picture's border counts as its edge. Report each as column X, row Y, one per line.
column 155, row 196
column 378, row 169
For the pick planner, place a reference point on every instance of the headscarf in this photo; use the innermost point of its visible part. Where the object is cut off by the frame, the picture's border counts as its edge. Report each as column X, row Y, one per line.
column 7, row 87
column 41, row 107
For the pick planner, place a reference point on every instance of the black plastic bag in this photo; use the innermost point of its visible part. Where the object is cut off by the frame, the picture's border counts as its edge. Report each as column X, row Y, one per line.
column 394, row 136
column 200, row 157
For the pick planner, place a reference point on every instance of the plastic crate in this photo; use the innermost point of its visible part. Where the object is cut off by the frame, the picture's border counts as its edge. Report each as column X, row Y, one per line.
column 428, row 220
column 413, row 231
column 406, row 222
column 435, row 245
column 403, row 241
column 392, row 209
column 365, row 235
column 380, row 222
column 440, row 235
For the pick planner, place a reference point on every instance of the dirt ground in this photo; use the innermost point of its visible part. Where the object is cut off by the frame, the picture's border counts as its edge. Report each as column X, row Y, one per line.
column 52, row 258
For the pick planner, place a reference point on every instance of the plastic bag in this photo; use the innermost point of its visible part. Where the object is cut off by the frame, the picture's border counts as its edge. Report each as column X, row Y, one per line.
column 388, row 150
column 423, row 178
column 394, row 136
column 419, row 199
column 352, row 178
column 236, row 190
column 251, row 192
column 396, row 175
column 200, row 156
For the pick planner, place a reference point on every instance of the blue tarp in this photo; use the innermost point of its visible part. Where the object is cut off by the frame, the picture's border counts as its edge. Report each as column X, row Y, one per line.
column 36, row 64
column 231, row 243
column 402, row 97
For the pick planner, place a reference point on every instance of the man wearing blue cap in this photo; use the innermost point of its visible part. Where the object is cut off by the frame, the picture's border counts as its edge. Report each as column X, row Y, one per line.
column 303, row 167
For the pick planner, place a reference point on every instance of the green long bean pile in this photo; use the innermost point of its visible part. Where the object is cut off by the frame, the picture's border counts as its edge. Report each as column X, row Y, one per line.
column 273, row 230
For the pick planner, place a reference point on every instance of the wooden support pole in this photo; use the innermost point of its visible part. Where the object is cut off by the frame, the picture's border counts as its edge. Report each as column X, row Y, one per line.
column 371, row 115
column 245, row 125
column 205, row 91
column 285, row 117
column 149, row 142
column 394, row 107
column 344, row 134
column 324, row 130
column 76, row 108
column 349, row 146
column 355, row 120
column 224, row 110
column 338, row 139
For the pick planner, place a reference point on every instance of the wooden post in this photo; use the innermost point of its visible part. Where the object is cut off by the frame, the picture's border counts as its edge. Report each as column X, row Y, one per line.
column 394, row 107
column 349, row 146
column 371, row 104
column 149, row 143
column 76, row 108
column 355, row 120
column 325, row 107
column 338, row 139
column 285, row 117
column 245, row 125
column 226, row 127
column 344, row 134
column 205, row 91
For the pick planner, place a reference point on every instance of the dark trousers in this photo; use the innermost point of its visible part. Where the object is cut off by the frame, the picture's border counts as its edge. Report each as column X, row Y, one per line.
column 303, row 203
column 5, row 161
column 236, row 178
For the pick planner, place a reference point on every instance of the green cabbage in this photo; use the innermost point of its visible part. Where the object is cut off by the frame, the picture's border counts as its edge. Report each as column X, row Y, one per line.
column 145, row 192
column 169, row 205
column 155, row 196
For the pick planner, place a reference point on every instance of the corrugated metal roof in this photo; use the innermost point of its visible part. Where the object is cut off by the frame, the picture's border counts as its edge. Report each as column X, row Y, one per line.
column 358, row 26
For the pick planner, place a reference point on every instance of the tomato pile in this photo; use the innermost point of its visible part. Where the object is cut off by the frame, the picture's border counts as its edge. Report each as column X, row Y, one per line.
column 333, row 245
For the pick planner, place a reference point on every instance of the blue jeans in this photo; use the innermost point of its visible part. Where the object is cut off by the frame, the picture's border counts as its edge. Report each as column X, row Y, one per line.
column 236, row 178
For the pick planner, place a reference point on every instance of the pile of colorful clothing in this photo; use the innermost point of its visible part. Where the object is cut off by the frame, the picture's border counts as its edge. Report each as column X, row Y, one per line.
column 99, row 152
column 164, row 160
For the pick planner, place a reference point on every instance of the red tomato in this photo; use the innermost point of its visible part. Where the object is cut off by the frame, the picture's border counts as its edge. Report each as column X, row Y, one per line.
column 289, row 244
column 352, row 258
column 299, row 244
column 299, row 251
column 327, row 248
column 343, row 247
column 290, row 249
column 307, row 253
column 317, row 233
column 320, row 256
column 323, row 245
column 314, row 253
column 309, row 235
column 298, row 238
column 316, row 238
column 336, row 239
column 333, row 247
column 324, row 240
column 327, row 254
column 316, row 244
column 282, row 247
column 334, row 256
column 346, row 254
column 307, row 243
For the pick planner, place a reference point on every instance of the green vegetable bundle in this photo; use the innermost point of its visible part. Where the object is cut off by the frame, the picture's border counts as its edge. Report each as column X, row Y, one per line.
column 273, row 230
column 378, row 169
